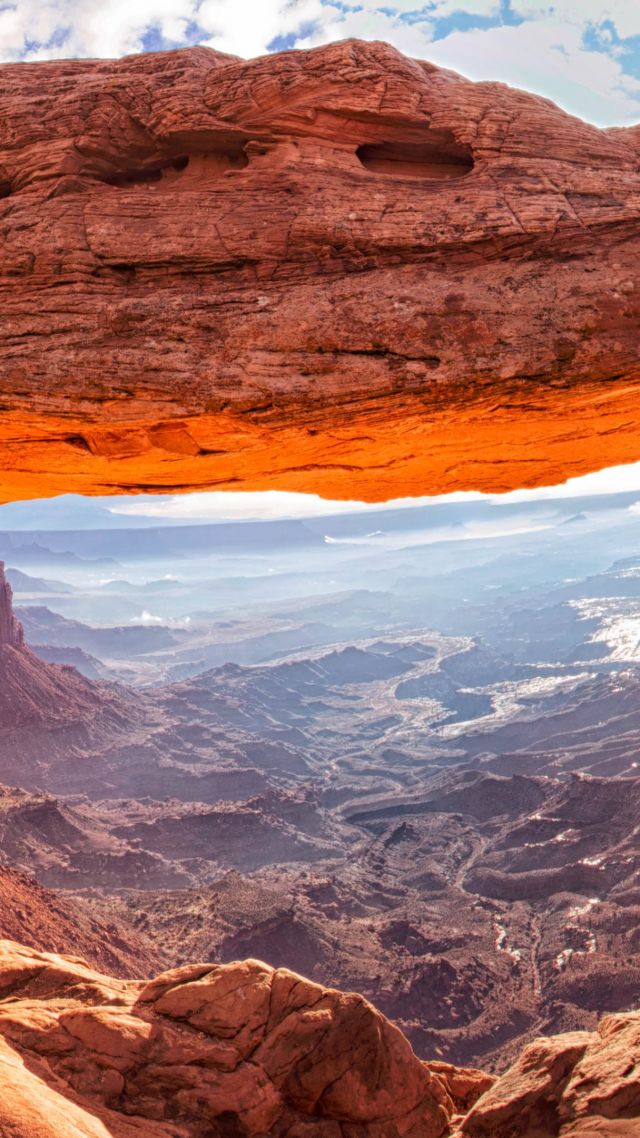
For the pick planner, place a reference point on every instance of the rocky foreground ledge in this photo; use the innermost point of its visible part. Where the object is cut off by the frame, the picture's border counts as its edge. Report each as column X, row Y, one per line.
column 243, row 1051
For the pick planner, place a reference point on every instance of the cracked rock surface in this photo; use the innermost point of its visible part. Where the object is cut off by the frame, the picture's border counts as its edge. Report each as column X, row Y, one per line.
column 243, row 1050
column 229, row 1050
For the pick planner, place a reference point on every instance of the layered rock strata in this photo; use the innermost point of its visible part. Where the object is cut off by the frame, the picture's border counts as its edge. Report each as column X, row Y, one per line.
column 340, row 270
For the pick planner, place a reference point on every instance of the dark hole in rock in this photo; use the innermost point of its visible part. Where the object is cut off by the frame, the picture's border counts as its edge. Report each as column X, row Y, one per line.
column 5, row 189
column 200, row 166
column 229, row 1125
column 78, row 441
column 132, row 177
column 438, row 157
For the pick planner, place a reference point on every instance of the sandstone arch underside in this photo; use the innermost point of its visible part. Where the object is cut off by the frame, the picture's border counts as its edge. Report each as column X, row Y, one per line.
column 339, row 270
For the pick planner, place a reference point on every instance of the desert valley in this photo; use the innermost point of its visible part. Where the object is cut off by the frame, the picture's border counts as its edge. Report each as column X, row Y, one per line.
column 398, row 760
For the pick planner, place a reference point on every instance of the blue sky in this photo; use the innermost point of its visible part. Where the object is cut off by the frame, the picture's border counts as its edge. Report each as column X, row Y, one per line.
column 582, row 54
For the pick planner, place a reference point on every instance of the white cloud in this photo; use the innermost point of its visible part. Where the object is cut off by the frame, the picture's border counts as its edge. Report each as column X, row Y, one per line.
column 611, row 480
column 146, row 618
column 371, row 23
column 550, row 59
column 247, row 29
column 625, row 14
column 232, row 506
column 489, row 8
column 47, row 29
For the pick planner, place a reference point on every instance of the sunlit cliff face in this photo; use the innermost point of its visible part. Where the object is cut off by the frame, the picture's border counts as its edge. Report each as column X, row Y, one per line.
column 340, row 271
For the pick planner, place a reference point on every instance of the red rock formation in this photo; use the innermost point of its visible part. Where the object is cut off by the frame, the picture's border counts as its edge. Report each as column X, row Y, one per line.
column 50, row 921
column 242, row 1050
column 11, row 631
column 340, row 270
column 229, row 1050
column 48, row 712
column 579, row 1085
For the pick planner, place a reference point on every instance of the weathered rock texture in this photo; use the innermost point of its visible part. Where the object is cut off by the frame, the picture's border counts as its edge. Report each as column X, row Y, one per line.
column 242, row 1050
column 53, row 921
column 227, row 1050
column 339, row 270
column 579, row 1085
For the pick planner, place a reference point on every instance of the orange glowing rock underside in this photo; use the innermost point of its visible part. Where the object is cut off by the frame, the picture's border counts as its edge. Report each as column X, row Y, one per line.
column 372, row 452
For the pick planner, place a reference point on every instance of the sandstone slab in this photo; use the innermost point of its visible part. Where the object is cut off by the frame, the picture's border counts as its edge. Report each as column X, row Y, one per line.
column 578, row 1085
column 242, row 1050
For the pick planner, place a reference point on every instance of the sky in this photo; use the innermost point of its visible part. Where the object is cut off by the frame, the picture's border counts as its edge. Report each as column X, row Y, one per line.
column 583, row 54
column 71, row 511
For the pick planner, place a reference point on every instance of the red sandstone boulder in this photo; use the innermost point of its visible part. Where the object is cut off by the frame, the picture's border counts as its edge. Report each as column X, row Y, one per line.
column 464, row 1085
column 244, row 1050
column 230, row 1050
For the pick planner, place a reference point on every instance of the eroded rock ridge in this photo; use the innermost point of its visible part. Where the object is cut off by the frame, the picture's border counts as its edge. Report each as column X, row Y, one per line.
column 227, row 1050
column 11, row 631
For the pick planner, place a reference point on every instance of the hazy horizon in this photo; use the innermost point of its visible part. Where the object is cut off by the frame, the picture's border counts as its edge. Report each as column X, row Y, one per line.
column 70, row 511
